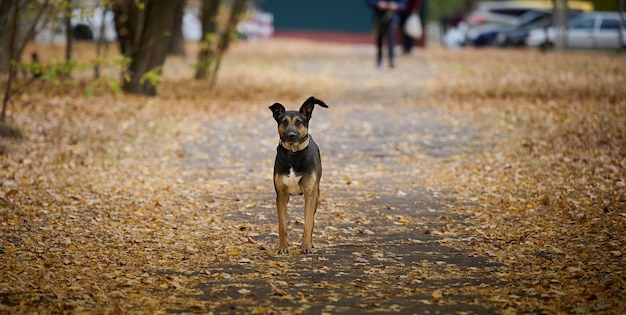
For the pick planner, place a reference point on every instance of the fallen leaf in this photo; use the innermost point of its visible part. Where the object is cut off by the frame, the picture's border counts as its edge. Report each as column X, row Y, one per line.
column 436, row 295
column 276, row 291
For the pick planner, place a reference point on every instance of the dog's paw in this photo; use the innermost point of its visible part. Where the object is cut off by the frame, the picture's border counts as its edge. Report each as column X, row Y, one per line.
column 307, row 250
column 283, row 251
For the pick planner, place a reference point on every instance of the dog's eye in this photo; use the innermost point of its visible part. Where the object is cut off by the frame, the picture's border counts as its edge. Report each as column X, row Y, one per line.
column 298, row 123
column 284, row 122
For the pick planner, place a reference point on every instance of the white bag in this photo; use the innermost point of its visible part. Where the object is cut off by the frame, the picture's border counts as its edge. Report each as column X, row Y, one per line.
column 413, row 26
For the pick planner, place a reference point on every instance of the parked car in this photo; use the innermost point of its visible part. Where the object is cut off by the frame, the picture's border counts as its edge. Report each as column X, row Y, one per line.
column 498, row 12
column 487, row 34
column 587, row 30
column 488, row 13
column 502, row 11
column 509, row 13
column 516, row 36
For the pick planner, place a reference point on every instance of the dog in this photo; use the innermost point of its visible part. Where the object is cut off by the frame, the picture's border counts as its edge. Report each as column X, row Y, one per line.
column 297, row 169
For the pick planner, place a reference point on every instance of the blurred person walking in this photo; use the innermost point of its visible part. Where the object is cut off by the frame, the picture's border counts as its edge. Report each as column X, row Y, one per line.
column 386, row 22
column 412, row 6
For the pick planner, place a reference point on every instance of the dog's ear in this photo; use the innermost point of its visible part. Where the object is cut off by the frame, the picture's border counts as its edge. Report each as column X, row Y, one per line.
column 307, row 107
column 277, row 110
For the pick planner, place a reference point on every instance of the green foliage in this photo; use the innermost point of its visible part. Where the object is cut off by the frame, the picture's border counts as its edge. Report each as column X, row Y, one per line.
column 104, row 83
column 114, row 85
column 606, row 5
column 153, row 76
column 59, row 73
column 51, row 72
column 140, row 4
column 63, row 5
column 438, row 9
column 209, row 42
column 90, row 90
column 207, row 64
column 121, row 61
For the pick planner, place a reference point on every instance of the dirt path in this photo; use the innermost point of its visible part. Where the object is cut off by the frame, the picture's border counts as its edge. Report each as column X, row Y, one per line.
column 502, row 193
column 378, row 232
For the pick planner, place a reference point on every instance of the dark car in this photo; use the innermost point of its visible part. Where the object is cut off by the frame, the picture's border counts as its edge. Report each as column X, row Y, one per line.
column 516, row 36
column 487, row 34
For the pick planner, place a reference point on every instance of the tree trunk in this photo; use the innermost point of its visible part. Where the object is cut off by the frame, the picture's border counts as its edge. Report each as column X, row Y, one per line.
column 11, row 50
column 621, row 26
column 236, row 11
column 210, row 9
column 177, row 42
column 31, row 32
column 151, row 50
column 31, row 14
column 129, row 20
column 560, row 23
column 101, row 40
column 6, row 9
column 69, row 34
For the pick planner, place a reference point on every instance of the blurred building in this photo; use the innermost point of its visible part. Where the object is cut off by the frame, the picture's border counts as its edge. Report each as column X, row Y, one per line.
column 345, row 20
column 348, row 21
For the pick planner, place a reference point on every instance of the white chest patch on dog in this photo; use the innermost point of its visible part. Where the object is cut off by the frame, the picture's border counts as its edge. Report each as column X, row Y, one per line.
column 292, row 181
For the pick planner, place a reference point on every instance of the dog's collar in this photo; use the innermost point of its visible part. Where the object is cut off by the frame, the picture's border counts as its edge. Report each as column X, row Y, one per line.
column 296, row 147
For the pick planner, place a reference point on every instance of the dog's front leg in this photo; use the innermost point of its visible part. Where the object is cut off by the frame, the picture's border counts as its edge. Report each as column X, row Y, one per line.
column 282, row 198
column 310, row 207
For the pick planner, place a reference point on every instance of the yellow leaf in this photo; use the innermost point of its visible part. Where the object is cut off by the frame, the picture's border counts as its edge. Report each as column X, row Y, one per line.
column 554, row 250
column 275, row 264
column 277, row 291
column 509, row 311
column 436, row 295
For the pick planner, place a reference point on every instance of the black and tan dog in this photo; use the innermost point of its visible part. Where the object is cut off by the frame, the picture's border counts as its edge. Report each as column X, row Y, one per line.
column 297, row 169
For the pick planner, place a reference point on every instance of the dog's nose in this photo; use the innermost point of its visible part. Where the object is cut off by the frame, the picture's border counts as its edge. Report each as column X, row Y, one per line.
column 292, row 136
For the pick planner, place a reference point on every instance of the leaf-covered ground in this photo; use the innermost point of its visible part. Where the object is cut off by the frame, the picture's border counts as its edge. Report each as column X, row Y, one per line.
column 468, row 182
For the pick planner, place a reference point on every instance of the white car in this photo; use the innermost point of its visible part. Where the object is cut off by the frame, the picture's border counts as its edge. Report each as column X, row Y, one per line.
column 587, row 30
column 87, row 23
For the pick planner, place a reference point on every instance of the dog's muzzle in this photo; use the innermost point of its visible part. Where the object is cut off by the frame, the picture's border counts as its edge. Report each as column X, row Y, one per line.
column 291, row 137
column 294, row 146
